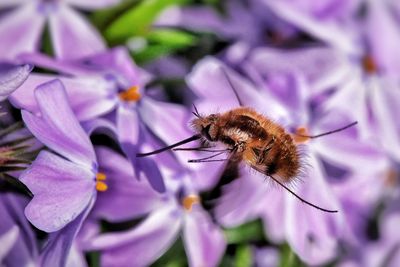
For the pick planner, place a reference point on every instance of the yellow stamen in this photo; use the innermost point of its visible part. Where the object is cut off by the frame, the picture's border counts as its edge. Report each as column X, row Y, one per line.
column 132, row 94
column 189, row 201
column 101, row 186
column 299, row 137
column 100, row 176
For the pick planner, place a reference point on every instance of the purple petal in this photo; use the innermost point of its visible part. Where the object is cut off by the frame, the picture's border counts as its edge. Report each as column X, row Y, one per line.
column 118, row 62
column 11, row 3
column 344, row 150
column 89, row 96
column 76, row 257
column 238, row 203
column 57, row 127
column 58, row 247
column 159, row 116
column 73, row 37
column 384, row 49
column 7, row 241
column 102, row 126
column 92, row 4
column 61, row 66
column 11, row 77
column 20, row 30
column 148, row 241
column 204, row 241
column 385, row 102
column 323, row 67
column 208, row 74
column 24, row 251
column 61, row 190
column 310, row 232
column 132, row 198
column 129, row 137
column 326, row 30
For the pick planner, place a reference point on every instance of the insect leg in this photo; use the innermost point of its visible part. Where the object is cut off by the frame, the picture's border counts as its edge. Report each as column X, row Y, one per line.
column 206, row 158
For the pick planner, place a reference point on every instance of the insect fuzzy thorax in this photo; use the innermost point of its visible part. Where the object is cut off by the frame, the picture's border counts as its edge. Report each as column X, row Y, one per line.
column 255, row 139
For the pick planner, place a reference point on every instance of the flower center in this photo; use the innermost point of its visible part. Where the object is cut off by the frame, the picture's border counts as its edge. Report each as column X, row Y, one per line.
column 100, row 184
column 391, row 178
column 300, row 136
column 369, row 64
column 189, row 201
column 130, row 95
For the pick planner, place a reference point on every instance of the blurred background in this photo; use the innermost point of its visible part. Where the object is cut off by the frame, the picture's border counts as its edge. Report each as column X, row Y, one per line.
column 318, row 65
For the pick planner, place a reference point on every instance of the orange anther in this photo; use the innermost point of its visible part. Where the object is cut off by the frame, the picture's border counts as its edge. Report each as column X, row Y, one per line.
column 300, row 136
column 132, row 94
column 101, row 186
column 189, row 201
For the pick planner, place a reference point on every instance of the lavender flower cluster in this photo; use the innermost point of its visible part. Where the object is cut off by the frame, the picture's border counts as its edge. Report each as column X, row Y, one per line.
column 77, row 109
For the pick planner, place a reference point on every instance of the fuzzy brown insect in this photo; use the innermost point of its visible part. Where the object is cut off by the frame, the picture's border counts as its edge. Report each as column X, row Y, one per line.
column 252, row 138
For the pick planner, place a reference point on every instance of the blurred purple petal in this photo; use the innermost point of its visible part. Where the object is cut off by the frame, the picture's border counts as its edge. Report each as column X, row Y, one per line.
column 72, row 35
column 326, row 30
column 323, row 67
column 384, row 49
column 204, row 241
column 310, row 232
column 20, row 30
column 61, row 189
column 385, row 104
column 11, row 3
column 57, row 127
column 147, row 242
column 238, row 203
column 118, row 62
column 7, row 241
column 76, row 257
column 11, row 77
column 24, row 251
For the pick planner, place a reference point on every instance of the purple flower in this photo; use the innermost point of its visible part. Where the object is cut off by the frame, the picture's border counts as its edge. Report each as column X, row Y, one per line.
column 287, row 99
column 112, row 81
column 18, row 244
column 165, row 216
column 65, row 184
column 72, row 36
column 11, row 77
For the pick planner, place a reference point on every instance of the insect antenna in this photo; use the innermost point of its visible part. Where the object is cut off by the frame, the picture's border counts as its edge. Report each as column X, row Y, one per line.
column 330, row 132
column 300, row 198
column 196, row 112
column 234, row 89
column 184, row 141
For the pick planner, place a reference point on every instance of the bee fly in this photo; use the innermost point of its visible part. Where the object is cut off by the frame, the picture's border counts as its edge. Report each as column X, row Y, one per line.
column 250, row 137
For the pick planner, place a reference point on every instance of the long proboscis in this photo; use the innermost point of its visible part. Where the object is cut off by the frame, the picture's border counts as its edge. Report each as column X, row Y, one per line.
column 300, row 198
column 184, row 141
column 330, row 132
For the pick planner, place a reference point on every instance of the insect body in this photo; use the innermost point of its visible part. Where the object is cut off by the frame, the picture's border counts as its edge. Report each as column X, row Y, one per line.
column 255, row 139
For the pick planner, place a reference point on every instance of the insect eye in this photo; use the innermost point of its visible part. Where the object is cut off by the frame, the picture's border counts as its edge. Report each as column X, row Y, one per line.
column 206, row 132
